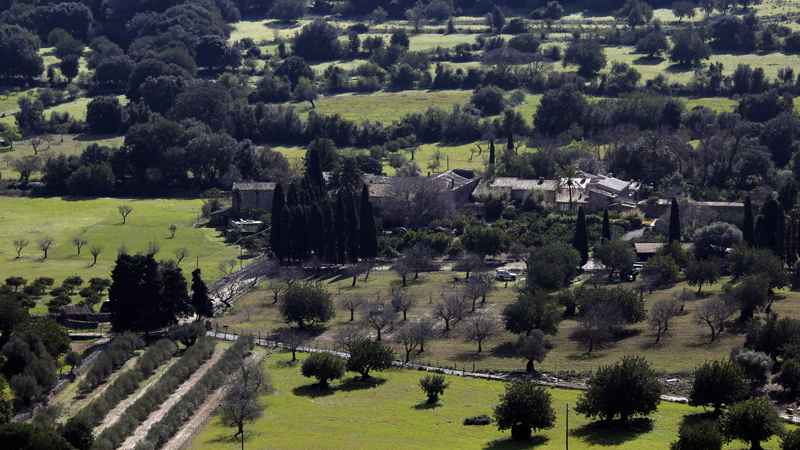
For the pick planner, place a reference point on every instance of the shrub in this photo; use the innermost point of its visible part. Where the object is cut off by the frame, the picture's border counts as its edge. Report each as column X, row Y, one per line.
column 323, row 366
column 480, row 419
column 434, row 386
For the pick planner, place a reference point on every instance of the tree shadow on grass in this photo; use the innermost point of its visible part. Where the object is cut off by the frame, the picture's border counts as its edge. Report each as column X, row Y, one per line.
column 356, row 384
column 504, row 350
column 313, row 391
column 596, row 433
column 425, row 405
column 470, row 357
column 508, row 444
column 693, row 419
column 647, row 61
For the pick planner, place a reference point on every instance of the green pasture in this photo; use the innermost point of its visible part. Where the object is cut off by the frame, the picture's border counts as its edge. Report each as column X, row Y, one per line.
column 70, row 145
column 99, row 222
column 390, row 412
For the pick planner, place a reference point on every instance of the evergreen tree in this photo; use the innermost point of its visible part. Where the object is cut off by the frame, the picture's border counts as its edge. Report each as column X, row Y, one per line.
column 773, row 212
column 351, row 221
column 674, row 222
column 275, row 222
column 330, row 240
column 293, row 196
column 491, row 151
column 200, row 298
column 581, row 239
column 339, row 230
column 368, row 233
column 747, row 228
column 316, row 230
column 780, row 232
column 606, row 234
column 299, row 233
column 314, row 170
column 510, row 145
column 286, row 231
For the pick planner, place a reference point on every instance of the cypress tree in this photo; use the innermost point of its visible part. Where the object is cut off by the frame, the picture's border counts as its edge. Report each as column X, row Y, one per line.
column 606, row 225
column 314, row 169
column 316, row 230
column 772, row 213
column 351, row 221
column 581, row 239
column 299, row 232
column 674, row 222
column 780, row 231
column 761, row 239
column 510, row 141
column 286, row 231
column 330, row 239
column 293, row 196
column 275, row 236
column 491, row 151
column 339, row 230
column 748, row 233
column 368, row 233
column 200, row 298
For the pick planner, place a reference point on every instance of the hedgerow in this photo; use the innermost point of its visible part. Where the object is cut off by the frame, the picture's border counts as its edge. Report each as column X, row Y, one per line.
column 160, row 433
column 128, row 382
column 111, row 359
column 113, row 436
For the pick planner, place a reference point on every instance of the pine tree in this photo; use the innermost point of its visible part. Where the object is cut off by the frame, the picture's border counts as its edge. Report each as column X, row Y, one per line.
column 339, row 230
column 351, row 222
column 368, row 233
column 581, row 239
column 606, row 225
column 674, row 222
column 200, row 298
column 491, row 151
column 275, row 236
column 747, row 228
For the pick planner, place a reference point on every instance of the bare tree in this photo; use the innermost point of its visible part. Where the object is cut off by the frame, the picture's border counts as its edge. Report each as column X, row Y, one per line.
column 20, row 244
column 469, row 262
column 451, row 310
column 420, row 200
column 227, row 267
column 351, row 303
column 180, row 253
column 95, row 250
column 683, row 296
column 419, row 258
column 247, row 382
column 44, row 244
column 292, row 339
column 414, row 334
column 276, row 286
column 403, row 301
column 153, row 247
column 596, row 324
column 425, row 331
column 122, row 249
column 480, row 327
column 661, row 313
column 477, row 287
column 356, row 270
column 714, row 312
column 26, row 166
column 124, row 210
column 79, row 242
column 172, row 229
column 532, row 347
column 378, row 316
column 403, row 268
column 349, row 334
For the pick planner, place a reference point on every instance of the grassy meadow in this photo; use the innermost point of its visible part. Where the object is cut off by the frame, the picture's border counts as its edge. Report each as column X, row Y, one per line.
column 98, row 221
column 390, row 412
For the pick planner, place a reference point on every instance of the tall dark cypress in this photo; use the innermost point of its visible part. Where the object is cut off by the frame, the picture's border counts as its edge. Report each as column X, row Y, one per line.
column 606, row 225
column 581, row 239
column 770, row 225
column 674, row 222
column 316, row 230
column 201, row 301
column 780, row 232
column 367, row 231
column 286, row 231
column 491, row 151
column 293, row 196
column 748, row 233
column 761, row 237
column 330, row 238
column 351, row 221
column 510, row 141
column 276, row 238
column 339, row 230
column 314, row 169
column 299, row 233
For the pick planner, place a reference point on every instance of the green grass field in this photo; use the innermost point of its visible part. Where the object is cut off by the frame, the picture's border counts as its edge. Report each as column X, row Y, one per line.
column 98, row 221
column 391, row 412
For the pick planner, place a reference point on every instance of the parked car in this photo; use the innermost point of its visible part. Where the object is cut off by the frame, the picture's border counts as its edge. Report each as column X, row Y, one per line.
column 504, row 275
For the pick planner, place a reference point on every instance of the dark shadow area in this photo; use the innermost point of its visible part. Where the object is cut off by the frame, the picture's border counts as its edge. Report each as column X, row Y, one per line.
column 355, row 384
column 425, row 405
column 677, row 68
column 626, row 333
column 508, row 444
column 504, row 350
column 470, row 357
column 312, row 391
column 647, row 61
column 95, row 137
column 596, row 433
column 694, row 419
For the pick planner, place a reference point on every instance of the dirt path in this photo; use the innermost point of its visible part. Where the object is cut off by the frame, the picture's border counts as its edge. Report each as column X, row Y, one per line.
column 115, row 413
column 200, row 418
column 154, row 417
column 78, row 402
